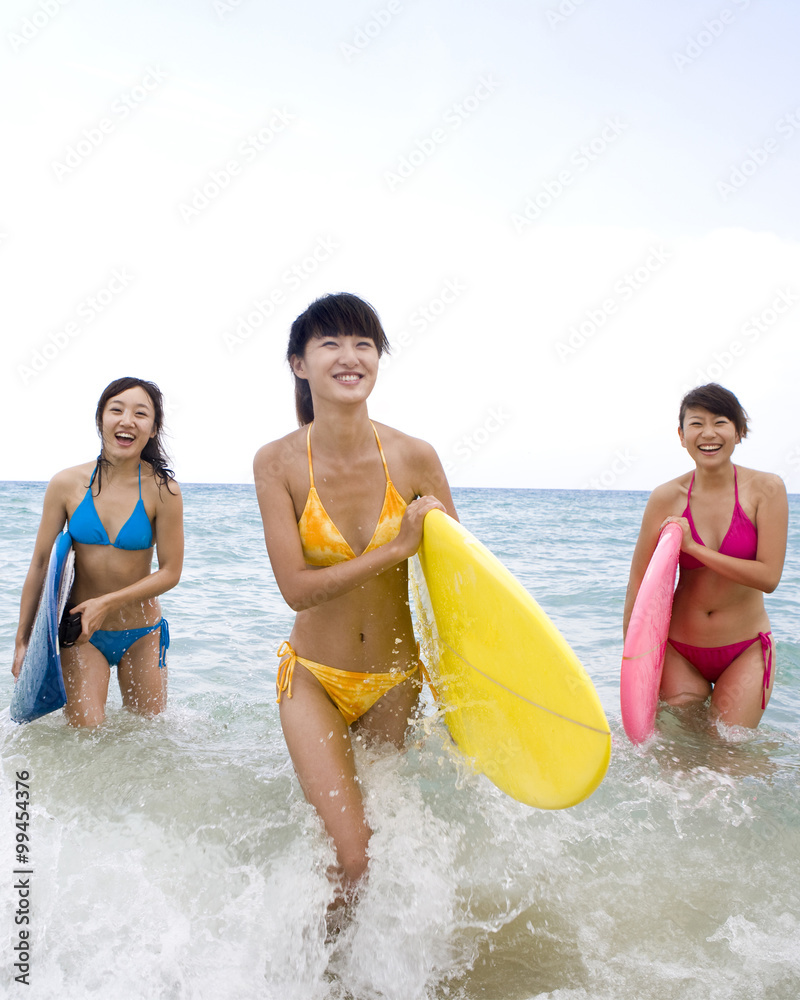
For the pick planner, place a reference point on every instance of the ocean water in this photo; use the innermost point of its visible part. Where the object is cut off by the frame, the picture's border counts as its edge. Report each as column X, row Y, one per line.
column 176, row 857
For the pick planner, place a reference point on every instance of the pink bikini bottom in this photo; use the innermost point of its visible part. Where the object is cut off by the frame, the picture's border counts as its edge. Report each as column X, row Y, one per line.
column 713, row 661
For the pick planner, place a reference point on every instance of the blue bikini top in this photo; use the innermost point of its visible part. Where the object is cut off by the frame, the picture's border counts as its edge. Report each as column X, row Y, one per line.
column 86, row 527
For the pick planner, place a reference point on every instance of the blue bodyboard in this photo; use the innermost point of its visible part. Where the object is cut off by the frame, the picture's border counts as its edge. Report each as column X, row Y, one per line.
column 40, row 687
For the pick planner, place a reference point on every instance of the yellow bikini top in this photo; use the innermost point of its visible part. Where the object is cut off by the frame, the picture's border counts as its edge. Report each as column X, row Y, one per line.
column 323, row 543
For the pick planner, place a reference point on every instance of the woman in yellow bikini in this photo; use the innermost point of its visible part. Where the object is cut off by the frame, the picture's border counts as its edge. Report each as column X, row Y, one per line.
column 339, row 530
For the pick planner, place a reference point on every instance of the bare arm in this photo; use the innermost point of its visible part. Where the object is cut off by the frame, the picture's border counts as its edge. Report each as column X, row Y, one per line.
column 54, row 516
column 654, row 513
column 432, row 479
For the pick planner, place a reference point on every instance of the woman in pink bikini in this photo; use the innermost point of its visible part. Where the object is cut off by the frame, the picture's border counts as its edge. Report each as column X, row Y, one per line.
column 734, row 523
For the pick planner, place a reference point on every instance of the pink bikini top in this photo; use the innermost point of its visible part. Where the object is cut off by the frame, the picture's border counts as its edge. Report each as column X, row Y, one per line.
column 741, row 539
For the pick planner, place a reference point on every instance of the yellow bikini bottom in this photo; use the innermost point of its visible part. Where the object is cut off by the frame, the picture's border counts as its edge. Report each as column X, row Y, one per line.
column 351, row 692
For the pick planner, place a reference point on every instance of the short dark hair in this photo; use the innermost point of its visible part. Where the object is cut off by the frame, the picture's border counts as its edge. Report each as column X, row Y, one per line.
column 340, row 314
column 716, row 400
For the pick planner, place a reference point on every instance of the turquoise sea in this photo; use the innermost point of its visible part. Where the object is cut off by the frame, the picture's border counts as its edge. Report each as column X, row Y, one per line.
column 176, row 858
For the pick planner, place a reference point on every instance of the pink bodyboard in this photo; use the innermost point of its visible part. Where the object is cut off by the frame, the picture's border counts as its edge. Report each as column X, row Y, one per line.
column 646, row 639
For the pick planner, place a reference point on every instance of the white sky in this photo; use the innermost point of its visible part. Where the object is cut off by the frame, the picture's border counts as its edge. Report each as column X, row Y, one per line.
column 493, row 177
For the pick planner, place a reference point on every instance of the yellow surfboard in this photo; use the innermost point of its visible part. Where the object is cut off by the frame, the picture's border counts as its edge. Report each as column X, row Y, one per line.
column 515, row 698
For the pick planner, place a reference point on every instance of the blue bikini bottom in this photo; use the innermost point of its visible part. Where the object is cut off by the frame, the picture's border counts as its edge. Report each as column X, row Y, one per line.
column 114, row 645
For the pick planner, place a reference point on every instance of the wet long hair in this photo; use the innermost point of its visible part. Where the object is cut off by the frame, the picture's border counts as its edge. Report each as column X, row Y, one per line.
column 717, row 400
column 340, row 314
column 153, row 451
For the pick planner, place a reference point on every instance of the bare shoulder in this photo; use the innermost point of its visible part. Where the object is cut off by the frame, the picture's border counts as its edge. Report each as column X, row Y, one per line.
column 75, row 477
column 761, row 486
column 169, row 492
column 671, row 494
column 65, row 491
column 406, row 447
column 273, row 460
column 415, row 468
column 149, row 472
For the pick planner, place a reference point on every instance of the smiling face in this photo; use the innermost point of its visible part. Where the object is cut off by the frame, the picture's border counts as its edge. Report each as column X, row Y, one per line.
column 128, row 422
column 340, row 317
column 708, row 437
column 339, row 367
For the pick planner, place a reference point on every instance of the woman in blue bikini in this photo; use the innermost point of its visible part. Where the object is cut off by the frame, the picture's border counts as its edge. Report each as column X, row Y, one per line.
column 734, row 522
column 339, row 531
column 129, row 495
